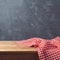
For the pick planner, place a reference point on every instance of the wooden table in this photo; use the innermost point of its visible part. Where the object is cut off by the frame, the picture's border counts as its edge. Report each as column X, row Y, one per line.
column 9, row 50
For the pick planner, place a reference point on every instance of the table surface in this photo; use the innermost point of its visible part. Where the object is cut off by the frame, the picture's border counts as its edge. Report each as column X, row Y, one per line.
column 12, row 46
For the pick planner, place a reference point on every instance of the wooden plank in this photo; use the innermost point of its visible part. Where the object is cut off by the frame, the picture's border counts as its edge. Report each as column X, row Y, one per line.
column 12, row 46
column 9, row 50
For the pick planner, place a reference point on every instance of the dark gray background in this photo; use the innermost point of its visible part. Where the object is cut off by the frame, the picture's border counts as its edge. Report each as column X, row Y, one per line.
column 22, row 19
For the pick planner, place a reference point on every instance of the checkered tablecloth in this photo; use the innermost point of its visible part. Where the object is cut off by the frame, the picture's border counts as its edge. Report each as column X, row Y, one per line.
column 47, row 49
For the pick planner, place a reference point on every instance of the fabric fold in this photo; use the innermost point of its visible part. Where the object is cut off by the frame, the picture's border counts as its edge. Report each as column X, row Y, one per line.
column 47, row 49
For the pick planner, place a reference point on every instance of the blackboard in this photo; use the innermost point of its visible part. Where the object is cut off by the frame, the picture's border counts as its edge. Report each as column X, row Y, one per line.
column 23, row 19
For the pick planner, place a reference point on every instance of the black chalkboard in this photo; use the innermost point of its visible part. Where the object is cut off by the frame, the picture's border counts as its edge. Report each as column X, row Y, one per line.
column 22, row 19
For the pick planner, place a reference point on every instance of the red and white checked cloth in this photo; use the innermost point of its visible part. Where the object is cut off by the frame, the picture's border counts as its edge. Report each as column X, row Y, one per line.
column 47, row 49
